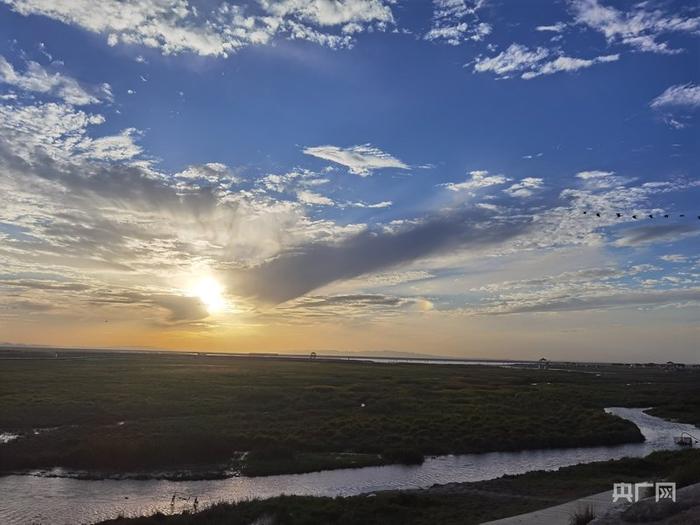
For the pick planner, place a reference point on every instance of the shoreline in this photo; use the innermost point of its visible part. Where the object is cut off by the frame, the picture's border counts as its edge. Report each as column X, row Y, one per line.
column 450, row 503
column 233, row 470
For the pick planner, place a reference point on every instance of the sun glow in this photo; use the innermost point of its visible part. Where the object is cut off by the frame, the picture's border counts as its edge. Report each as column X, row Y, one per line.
column 210, row 292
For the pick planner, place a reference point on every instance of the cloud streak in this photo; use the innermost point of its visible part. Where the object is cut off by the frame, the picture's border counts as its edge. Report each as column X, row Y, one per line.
column 295, row 273
column 650, row 234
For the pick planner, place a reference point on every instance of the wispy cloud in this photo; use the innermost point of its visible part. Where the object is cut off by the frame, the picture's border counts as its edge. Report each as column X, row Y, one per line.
column 553, row 28
column 314, row 199
column 639, row 28
column 455, row 21
column 682, row 95
column 477, row 179
column 38, row 79
column 601, row 301
column 564, row 63
column 361, row 160
column 600, row 288
column 525, row 188
column 218, row 28
column 532, row 63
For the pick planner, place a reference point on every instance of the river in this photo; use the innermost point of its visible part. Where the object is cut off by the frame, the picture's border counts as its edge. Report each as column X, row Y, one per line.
column 35, row 499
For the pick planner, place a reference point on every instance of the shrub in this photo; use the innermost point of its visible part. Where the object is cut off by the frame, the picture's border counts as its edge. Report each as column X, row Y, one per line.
column 582, row 516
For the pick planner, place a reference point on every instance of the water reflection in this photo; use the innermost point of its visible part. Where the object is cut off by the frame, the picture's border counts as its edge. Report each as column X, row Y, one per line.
column 6, row 437
column 31, row 499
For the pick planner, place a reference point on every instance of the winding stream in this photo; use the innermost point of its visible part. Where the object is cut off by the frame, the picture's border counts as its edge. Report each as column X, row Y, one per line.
column 34, row 499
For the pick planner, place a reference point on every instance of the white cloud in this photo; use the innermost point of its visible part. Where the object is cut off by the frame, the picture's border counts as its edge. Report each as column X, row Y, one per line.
column 316, row 199
column 455, row 21
column 598, row 179
column 210, row 172
column 375, row 205
column 681, row 95
column 330, row 12
column 564, row 63
column 60, row 131
column 525, row 188
column 554, row 28
column 477, row 179
column 514, row 59
column 639, row 28
column 291, row 181
column 114, row 147
column 175, row 26
column 38, row 79
column 594, row 174
column 593, row 288
column 360, row 160
column 532, row 63
column 674, row 258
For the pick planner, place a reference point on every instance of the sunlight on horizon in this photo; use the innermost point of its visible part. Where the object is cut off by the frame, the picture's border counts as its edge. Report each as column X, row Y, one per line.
column 210, row 292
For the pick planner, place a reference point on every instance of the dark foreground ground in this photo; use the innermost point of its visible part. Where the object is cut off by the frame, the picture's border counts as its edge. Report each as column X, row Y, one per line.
column 456, row 503
column 192, row 416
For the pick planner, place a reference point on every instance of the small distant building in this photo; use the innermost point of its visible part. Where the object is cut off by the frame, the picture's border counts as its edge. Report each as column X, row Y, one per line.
column 670, row 365
column 543, row 364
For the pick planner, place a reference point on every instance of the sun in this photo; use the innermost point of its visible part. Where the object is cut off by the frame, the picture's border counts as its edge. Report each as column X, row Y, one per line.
column 210, row 292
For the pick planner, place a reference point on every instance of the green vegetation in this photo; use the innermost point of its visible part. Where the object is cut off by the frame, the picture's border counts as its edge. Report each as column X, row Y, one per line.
column 686, row 410
column 452, row 504
column 116, row 413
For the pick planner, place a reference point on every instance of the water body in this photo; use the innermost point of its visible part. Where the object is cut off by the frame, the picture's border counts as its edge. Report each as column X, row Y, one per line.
column 376, row 359
column 33, row 499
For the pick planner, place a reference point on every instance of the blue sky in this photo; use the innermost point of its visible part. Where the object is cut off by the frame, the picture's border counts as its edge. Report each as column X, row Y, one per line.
column 276, row 174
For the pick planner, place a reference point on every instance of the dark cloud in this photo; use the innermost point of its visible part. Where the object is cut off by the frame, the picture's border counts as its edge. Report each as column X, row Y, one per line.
column 352, row 300
column 27, row 306
column 45, row 285
column 180, row 308
column 661, row 233
column 294, row 273
column 124, row 186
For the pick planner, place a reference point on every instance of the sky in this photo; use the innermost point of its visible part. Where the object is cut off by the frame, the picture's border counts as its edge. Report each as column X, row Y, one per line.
column 468, row 178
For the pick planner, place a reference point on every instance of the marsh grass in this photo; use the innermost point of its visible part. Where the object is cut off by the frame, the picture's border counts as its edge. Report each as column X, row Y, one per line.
column 181, row 411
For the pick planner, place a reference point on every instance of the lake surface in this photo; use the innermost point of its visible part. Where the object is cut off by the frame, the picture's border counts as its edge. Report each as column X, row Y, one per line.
column 34, row 499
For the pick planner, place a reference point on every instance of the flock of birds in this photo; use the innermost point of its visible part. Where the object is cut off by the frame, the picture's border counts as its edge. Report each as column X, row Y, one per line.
column 637, row 216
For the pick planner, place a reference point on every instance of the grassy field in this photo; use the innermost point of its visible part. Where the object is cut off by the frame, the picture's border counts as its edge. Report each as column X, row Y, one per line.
column 462, row 503
column 109, row 413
